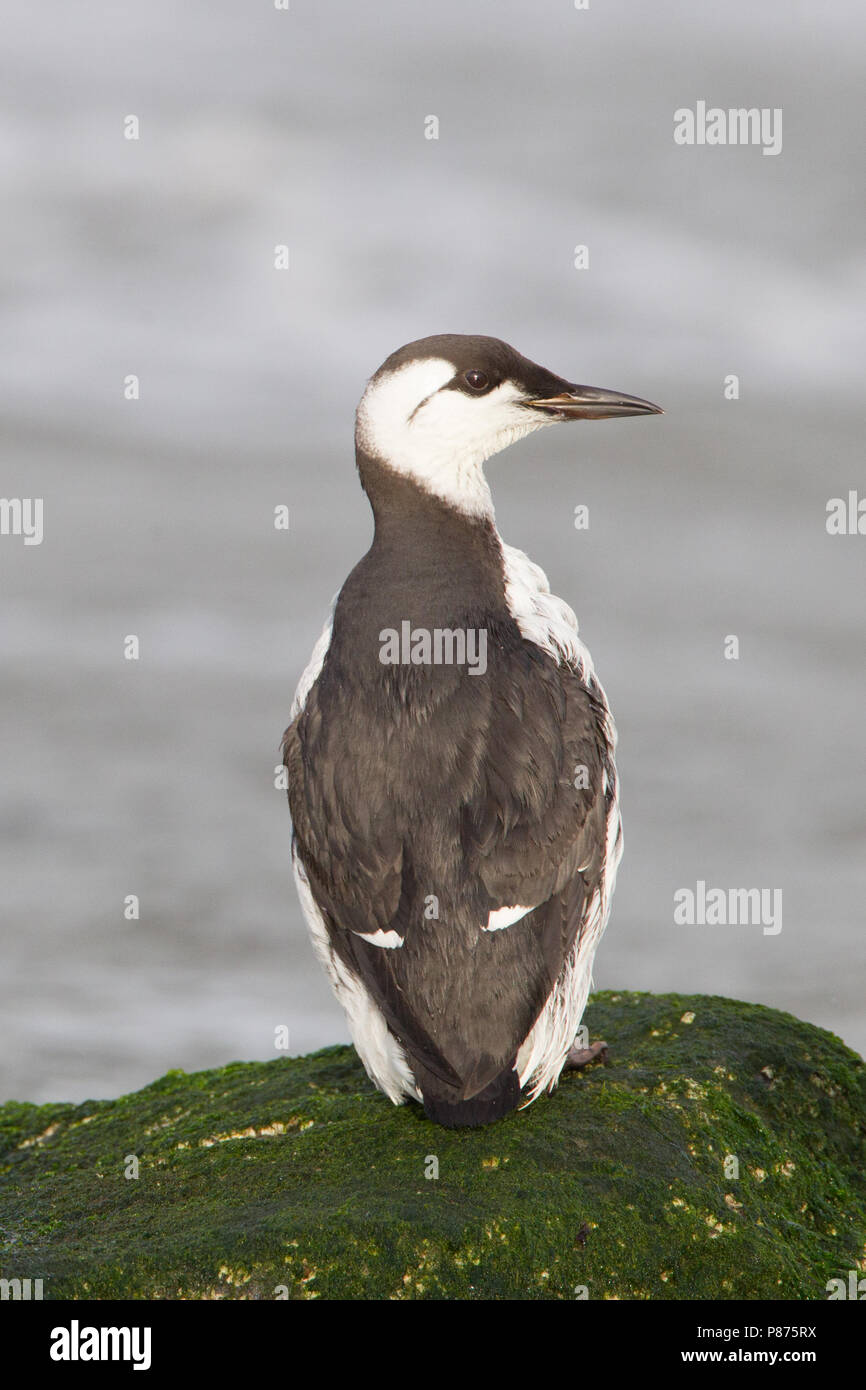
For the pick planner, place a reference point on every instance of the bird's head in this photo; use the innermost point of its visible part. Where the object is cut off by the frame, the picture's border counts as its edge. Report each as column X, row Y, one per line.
column 437, row 408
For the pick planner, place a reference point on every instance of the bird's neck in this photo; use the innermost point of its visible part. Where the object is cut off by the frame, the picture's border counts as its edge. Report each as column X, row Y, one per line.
column 453, row 473
column 424, row 533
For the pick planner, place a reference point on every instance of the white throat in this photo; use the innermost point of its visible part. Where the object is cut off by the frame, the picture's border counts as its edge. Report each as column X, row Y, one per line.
column 439, row 437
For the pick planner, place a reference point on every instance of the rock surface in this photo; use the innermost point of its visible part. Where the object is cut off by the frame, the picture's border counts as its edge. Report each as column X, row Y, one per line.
column 719, row 1154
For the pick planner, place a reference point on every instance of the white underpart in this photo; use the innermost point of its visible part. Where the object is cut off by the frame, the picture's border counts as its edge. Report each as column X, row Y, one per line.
column 549, row 622
column 314, row 665
column 383, row 1057
column 542, row 617
column 505, row 917
column 441, row 437
column 544, row 1051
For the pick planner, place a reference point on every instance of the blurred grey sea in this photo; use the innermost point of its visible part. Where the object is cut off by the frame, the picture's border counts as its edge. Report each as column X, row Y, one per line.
column 155, row 257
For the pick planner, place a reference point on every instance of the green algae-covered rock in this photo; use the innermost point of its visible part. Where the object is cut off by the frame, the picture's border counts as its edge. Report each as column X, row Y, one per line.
column 719, row 1154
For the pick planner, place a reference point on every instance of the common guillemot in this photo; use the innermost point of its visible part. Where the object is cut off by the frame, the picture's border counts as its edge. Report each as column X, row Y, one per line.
column 456, row 830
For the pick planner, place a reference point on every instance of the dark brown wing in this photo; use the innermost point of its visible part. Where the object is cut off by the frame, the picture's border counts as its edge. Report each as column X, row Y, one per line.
column 486, row 792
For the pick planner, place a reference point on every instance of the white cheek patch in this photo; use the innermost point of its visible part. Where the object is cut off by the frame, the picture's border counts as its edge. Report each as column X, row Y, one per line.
column 390, row 400
column 441, row 437
column 471, row 424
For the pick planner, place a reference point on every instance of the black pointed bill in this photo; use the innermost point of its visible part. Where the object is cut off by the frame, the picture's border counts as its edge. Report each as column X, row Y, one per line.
column 593, row 403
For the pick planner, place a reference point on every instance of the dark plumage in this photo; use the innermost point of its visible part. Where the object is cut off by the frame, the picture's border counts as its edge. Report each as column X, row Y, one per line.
column 425, row 797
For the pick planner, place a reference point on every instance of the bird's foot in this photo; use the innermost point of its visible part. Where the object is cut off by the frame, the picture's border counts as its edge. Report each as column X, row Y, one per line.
column 582, row 1056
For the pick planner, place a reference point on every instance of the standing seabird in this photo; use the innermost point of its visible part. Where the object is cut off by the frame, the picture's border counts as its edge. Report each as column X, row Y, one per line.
column 456, row 825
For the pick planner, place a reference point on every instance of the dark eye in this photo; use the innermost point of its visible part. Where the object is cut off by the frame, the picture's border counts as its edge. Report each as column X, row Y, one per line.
column 479, row 381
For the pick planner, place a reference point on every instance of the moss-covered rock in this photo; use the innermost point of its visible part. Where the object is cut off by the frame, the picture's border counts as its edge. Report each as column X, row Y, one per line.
column 294, row 1178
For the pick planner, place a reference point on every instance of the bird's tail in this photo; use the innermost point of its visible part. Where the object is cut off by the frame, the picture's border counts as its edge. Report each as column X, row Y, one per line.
column 497, row 1098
